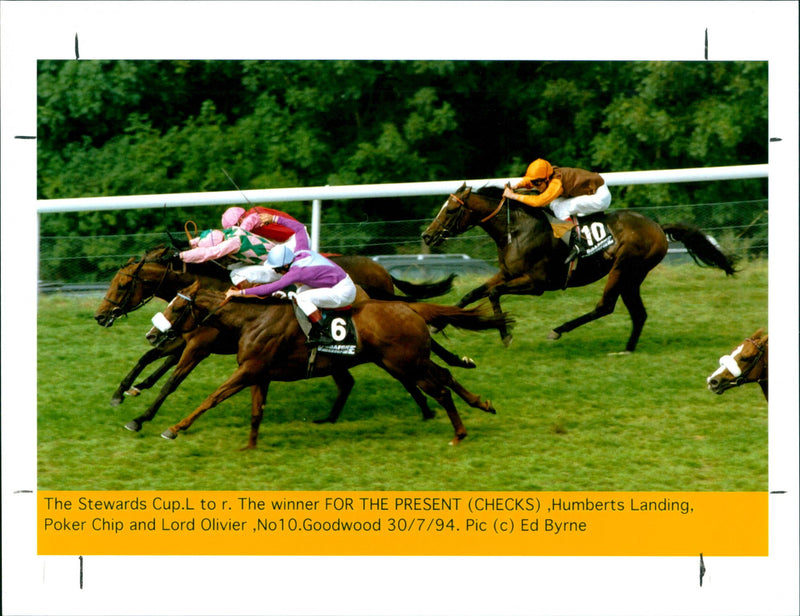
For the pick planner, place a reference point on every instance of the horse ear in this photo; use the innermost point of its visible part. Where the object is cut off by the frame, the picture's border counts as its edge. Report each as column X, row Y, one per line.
column 178, row 245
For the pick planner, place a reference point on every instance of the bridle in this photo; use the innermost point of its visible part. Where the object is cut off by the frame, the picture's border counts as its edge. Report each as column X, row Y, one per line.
column 170, row 332
column 741, row 376
column 455, row 221
column 121, row 307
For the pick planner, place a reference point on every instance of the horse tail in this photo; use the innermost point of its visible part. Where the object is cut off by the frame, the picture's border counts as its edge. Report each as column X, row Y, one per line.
column 425, row 290
column 476, row 319
column 701, row 248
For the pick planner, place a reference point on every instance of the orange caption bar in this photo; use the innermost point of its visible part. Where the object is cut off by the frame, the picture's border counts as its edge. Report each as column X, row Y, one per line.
column 404, row 523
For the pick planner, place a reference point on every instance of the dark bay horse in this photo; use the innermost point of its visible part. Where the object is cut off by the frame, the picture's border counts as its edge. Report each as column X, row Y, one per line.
column 747, row 363
column 531, row 259
column 160, row 274
column 271, row 347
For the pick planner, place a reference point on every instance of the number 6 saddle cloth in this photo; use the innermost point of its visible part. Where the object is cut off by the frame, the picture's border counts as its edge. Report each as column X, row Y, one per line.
column 339, row 335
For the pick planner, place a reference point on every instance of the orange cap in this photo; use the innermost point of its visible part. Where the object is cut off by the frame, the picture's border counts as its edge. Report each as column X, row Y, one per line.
column 539, row 169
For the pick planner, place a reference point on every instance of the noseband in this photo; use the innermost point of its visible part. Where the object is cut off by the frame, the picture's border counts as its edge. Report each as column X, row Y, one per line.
column 171, row 332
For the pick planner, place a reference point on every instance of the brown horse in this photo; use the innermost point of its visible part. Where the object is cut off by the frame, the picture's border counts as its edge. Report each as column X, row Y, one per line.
column 271, row 347
column 531, row 259
column 160, row 274
column 747, row 363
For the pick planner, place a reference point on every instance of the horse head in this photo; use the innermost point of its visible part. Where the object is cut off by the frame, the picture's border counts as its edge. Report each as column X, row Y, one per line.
column 454, row 218
column 134, row 284
column 747, row 363
column 179, row 317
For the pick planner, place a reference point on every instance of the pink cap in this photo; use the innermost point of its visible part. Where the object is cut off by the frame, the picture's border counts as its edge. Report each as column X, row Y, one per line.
column 231, row 217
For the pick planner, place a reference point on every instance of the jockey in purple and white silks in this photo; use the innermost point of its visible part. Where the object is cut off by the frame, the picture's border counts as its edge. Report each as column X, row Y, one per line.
column 320, row 282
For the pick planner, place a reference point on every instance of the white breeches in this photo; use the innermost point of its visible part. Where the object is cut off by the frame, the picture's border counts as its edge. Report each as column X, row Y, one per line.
column 564, row 207
column 342, row 294
column 260, row 274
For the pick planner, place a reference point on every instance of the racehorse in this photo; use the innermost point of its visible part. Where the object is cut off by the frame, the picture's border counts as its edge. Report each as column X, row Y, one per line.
column 160, row 274
column 271, row 347
column 531, row 259
column 747, row 363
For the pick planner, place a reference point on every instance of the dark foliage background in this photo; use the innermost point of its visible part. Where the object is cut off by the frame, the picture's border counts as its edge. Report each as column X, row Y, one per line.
column 140, row 127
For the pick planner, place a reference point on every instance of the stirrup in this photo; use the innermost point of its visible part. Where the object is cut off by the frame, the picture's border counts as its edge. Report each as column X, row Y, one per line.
column 574, row 253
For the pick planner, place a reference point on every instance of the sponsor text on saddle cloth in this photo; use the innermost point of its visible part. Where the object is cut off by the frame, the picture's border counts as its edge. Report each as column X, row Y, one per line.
column 338, row 330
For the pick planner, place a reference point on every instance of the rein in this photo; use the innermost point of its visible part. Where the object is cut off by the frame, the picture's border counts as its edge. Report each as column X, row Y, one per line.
column 492, row 214
column 122, row 304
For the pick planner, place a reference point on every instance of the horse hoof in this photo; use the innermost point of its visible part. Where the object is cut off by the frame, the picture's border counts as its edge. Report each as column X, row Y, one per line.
column 553, row 335
column 429, row 414
column 507, row 340
column 489, row 408
column 132, row 392
column 169, row 435
column 133, row 426
column 468, row 363
column 116, row 401
column 458, row 438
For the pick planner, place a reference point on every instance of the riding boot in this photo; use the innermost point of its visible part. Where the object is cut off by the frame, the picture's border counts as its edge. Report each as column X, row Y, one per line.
column 315, row 334
column 577, row 245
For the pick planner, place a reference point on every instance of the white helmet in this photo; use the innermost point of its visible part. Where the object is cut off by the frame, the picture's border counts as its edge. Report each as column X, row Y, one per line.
column 280, row 256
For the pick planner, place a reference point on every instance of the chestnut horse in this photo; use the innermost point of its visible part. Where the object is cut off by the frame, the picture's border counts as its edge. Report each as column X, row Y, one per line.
column 747, row 363
column 160, row 274
column 271, row 347
column 531, row 259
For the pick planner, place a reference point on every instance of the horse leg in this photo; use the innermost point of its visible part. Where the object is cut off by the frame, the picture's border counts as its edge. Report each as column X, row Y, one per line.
column 258, row 396
column 240, row 379
column 450, row 358
column 481, row 291
column 344, row 381
column 603, row 308
column 156, row 376
column 439, row 392
column 444, row 376
column 505, row 335
column 632, row 298
column 189, row 360
column 145, row 360
column 522, row 285
column 419, row 398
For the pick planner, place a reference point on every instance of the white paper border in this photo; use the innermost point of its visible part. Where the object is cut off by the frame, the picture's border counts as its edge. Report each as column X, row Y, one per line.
column 390, row 30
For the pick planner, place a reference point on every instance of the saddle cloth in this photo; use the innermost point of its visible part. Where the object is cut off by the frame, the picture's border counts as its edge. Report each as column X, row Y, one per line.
column 339, row 335
column 595, row 232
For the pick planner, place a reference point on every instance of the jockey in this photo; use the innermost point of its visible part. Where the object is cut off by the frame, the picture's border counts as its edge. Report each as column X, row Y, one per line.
column 237, row 243
column 568, row 191
column 252, row 221
column 235, row 217
column 320, row 282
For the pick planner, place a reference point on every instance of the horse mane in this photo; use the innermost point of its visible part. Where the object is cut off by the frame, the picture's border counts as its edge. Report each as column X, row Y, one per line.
column 491, row 191
column 496, row 193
